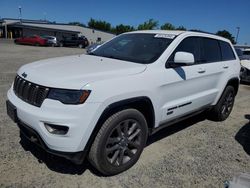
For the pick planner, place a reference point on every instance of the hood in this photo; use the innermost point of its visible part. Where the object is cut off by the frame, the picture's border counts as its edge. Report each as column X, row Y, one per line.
column 245, row 63
column 73, row 72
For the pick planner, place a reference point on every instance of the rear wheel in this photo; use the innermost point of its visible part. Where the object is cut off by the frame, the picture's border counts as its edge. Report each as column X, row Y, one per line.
column 37, row 44
column 223, row 108
column 119, row 142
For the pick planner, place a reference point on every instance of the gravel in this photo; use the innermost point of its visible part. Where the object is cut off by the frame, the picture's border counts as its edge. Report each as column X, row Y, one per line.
column 193, row 153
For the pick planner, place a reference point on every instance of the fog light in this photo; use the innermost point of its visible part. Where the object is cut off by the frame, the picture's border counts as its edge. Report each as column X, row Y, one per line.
column 56, row 129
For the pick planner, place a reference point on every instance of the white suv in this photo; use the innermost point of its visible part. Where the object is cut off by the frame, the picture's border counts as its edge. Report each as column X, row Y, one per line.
column 104, row 105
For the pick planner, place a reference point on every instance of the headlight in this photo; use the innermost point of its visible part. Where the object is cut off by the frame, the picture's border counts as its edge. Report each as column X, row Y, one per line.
column 69, row 96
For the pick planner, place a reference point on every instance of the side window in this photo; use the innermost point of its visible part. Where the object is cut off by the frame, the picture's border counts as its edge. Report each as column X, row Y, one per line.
column 191, row 45
column 210, row 50
column 226, row 51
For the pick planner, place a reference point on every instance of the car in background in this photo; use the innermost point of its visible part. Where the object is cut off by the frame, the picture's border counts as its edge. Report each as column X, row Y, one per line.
column 51, row 40
column 93, row 47
column 32, row 40
column 81, row 42
column 244, row 56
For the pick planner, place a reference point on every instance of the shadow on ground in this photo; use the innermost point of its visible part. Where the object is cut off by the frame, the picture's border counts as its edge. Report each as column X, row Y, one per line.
column 245, row 83
column 55, row 163
column 64, row 166
column 243, row 136
column 163, row 133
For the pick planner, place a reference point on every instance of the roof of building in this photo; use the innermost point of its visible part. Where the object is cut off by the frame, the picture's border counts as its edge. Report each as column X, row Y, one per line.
column 47, row 24
column 23, row 25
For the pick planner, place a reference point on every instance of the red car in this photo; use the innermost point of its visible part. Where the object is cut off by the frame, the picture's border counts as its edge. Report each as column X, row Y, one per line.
column 32, row 40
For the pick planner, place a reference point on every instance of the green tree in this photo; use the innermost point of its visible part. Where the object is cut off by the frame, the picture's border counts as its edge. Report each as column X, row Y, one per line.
column 99, row 24
column 122, row 29
column 226, row 34
column 77, row 23
column 181, row 28
column 148, row 25
column 168, row 26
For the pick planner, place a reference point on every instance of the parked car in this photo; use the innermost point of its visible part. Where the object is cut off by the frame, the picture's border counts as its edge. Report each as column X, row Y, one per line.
column 244, row 56
column 245, row 71
column 106, row 104
column 32, row 40
column 93, row 47
column 51, row 40
column 81, row 42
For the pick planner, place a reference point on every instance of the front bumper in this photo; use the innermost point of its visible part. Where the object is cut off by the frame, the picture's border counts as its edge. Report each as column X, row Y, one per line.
column 81, row 120
column 34, row 137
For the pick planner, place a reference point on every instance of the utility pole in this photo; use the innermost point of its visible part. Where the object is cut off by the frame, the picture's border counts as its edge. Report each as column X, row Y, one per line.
column 20, row 13
column 238, row 31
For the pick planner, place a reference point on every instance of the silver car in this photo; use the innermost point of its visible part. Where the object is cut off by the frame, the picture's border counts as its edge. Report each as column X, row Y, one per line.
column 51, row 40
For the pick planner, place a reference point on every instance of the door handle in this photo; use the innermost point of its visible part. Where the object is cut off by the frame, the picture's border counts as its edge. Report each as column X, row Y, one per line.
column 201, row 70
column 225, row 67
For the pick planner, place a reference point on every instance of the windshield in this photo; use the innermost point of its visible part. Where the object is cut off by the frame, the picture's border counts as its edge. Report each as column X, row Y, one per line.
column 137, row 47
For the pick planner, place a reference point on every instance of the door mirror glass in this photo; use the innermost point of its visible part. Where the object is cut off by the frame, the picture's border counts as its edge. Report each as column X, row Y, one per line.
column 184, row 57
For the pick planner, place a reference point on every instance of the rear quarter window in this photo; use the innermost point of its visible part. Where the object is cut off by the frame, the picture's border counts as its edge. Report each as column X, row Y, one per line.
column 226, row 51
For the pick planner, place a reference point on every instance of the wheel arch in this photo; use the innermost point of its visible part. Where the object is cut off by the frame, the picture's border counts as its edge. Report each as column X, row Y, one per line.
column 235, row 82
column 142, row 104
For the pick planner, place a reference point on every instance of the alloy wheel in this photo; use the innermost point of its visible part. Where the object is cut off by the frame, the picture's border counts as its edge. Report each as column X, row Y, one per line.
column 123, row 142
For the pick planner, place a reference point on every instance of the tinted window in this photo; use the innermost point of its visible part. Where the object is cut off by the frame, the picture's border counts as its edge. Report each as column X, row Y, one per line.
column 135, row 47
column 190, row 45
column 210, row 50
column 226, row 51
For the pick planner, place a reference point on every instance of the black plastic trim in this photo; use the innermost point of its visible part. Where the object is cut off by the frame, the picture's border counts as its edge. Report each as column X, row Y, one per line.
column 34, row 137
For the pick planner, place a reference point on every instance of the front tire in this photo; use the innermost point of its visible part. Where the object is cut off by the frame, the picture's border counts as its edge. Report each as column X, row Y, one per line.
column 223, row 108
column 119, row 143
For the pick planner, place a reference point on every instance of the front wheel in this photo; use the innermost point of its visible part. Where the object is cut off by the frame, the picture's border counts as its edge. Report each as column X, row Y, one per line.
column 223, row 108
column 119, row 143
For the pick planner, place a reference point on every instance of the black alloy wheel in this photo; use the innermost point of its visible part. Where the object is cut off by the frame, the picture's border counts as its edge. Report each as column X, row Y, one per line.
column 120, row 142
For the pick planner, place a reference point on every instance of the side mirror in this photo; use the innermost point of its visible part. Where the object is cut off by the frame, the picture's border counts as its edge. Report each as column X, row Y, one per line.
column 184, row 58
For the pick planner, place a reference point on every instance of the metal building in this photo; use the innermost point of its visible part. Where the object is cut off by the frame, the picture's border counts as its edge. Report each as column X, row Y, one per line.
column 14, row 28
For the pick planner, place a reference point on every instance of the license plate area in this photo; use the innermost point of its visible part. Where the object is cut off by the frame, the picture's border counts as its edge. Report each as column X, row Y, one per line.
column 11, row 111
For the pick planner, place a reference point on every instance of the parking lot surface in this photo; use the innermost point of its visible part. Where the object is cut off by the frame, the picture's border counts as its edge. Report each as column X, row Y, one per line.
column 193, row 153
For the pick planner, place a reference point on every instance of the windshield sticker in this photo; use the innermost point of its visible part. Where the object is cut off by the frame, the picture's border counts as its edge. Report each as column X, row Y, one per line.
column 167, row 36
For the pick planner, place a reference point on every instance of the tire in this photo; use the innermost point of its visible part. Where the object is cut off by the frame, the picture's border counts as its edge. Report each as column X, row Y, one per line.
column 117, row 148
column 80, row 46
column 37, row 44
column 61, row 44
column 223, row 108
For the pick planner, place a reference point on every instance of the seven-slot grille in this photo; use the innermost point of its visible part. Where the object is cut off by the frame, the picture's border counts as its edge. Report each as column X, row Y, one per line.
column 29, row 92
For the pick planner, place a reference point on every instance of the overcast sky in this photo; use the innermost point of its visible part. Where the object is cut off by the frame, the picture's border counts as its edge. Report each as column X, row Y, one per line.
column 210, row 16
